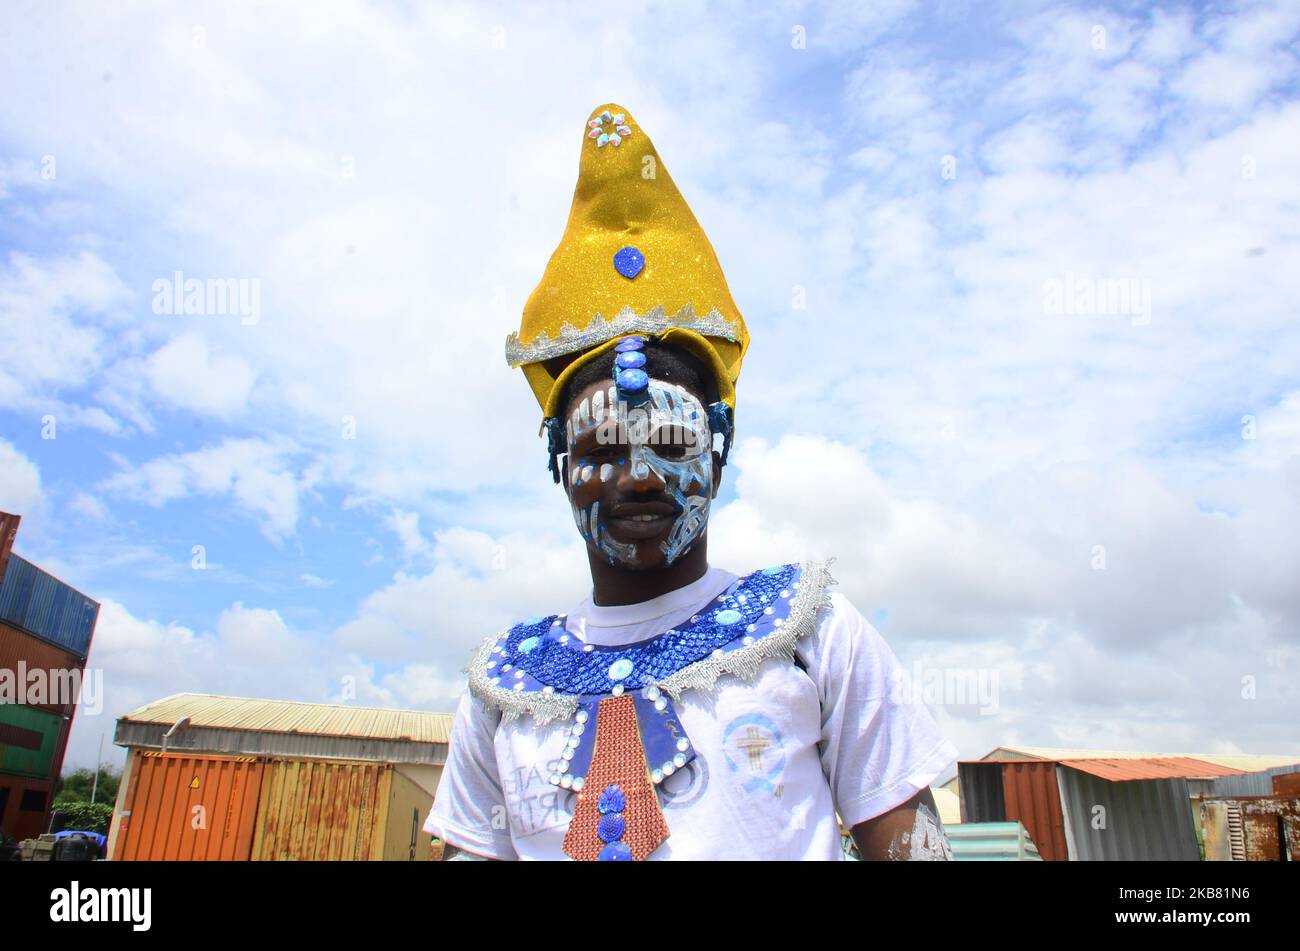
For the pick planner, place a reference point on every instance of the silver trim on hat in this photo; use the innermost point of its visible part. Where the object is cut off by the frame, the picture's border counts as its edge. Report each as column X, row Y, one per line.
column 599, row 330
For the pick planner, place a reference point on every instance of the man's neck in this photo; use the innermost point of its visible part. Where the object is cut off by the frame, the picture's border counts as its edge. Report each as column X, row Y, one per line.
column 613, row 586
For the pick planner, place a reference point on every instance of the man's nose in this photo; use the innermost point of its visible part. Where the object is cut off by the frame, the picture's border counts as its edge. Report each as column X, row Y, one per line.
column 639, row 475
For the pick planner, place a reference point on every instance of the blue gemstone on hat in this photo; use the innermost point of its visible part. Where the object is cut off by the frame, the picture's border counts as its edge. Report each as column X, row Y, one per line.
column 615, row 852
column 630, row 360
column 620, row 669
column 632, row 379
column 729, row 616
column 628, row 344
column 611, row 800
column 611, row 826
column 629, row 261
column 528, row 643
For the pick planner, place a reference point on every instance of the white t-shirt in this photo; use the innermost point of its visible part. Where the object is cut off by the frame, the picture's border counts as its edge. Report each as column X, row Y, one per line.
column 776, row 758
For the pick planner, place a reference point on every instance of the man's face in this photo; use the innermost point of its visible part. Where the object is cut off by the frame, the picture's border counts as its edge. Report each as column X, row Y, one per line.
column 640, row 478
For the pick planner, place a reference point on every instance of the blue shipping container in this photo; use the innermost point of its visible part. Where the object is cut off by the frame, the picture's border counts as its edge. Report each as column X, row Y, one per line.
column 41, row 604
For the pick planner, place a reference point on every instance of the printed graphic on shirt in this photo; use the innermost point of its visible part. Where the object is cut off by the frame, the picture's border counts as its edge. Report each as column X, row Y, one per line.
column 686, row 786
column 534, row 804
column 755, row 753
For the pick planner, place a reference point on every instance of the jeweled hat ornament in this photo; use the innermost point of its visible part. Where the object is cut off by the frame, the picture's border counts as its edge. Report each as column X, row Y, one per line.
column 633, row 263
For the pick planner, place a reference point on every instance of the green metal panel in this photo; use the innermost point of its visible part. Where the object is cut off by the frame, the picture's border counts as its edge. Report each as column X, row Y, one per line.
column 991, row 842
column 28, row 740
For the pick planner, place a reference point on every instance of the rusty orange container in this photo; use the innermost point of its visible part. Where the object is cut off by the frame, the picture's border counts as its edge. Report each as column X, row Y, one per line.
column 181, row 807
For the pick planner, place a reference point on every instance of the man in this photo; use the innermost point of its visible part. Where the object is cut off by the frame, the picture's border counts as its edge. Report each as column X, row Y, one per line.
column 681, row 711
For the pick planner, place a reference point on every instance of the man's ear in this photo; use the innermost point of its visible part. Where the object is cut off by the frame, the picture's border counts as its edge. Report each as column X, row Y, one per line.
column 564, row 472
column 717, row 473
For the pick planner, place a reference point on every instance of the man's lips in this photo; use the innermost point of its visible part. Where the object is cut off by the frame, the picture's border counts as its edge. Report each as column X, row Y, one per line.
column 638, row 520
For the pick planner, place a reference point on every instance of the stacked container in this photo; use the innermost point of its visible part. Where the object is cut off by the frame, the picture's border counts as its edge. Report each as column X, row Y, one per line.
column 45, row 625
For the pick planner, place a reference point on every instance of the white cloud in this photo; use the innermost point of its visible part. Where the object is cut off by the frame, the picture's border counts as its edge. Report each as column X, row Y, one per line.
column 20, row 482
column 256, row 474
column 186, row 373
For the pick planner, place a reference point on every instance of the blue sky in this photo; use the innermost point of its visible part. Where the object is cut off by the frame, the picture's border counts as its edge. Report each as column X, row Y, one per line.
column 921, row 176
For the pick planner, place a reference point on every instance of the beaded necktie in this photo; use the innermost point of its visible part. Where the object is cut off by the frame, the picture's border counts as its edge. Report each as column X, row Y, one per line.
column 618, row 818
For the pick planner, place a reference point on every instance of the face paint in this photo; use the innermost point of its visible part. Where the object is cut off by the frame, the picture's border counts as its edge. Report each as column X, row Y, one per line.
column 667, row 440
column 927, row 842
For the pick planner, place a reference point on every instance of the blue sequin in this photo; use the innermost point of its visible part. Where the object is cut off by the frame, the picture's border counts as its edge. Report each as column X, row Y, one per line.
column 529, row 643
column 611, row 800
column 630, row 359
column 620, row 669
column 611, row 826
column 728, row 616
column 615, row 852
column 632, row 379
column 629, row 261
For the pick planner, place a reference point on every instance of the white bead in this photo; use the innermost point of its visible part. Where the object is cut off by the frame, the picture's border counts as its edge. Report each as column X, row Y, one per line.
column 657, row 776
column 683, row 744
column 579, row 783
column 618, row 690
column 581, row 716
column 669, row 769
column 566, row 781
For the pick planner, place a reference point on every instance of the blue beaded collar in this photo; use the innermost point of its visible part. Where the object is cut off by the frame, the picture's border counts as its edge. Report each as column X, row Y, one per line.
column 539, row 669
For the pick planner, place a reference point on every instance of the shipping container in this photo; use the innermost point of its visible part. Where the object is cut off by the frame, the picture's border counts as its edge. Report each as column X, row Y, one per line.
column 41, row 604
column 187, row 808
column 8, row 532
column 268, row 808
column 25, row 805
column 21, row 655
column 30, row 740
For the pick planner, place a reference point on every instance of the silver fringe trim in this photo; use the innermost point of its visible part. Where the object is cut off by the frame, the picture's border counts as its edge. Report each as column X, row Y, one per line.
column 599, row 330
column 542, row 707
column 814, row 594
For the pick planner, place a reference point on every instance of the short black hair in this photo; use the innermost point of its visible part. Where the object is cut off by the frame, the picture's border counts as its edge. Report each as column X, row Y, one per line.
column 663, row 362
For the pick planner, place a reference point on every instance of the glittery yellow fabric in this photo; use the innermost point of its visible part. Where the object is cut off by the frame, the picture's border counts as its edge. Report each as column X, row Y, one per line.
column 625, row 197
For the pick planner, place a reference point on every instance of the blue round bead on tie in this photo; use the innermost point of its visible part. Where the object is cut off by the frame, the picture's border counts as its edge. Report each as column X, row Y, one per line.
column 630, row 360
column 611, row 826
column 629, row 343
column 629, row 261
column 611, row 800
column 615, row 852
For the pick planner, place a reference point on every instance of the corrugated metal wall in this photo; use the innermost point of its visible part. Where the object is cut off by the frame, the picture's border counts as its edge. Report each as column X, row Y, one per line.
column 188, row 808
column 316, row 810
column 1143, row 819
column 8, row 532
column 981, row 792
column 43, row 605
column 29, row 740
column 1033, row 799
column 21, row 653
column 1251, row 784
column 23, row 823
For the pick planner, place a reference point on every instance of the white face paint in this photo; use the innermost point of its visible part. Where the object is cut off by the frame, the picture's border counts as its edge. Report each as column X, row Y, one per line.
column 927, row 842
column 666, row 440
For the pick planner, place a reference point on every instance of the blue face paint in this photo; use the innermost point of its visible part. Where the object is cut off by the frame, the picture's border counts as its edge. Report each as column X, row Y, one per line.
column 667, row 436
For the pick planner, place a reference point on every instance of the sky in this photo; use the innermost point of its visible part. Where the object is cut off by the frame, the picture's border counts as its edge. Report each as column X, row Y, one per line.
column 1022, row 282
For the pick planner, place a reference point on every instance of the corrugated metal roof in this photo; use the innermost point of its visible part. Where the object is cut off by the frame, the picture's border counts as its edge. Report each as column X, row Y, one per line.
column 1152, row 767
column 1248, row 762
column 287, row 716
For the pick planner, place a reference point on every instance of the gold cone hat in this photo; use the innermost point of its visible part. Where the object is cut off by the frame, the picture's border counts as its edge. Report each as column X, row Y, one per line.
column 633, row 260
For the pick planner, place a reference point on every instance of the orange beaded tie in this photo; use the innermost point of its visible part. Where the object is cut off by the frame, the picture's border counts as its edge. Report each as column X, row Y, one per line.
column 618, row 816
